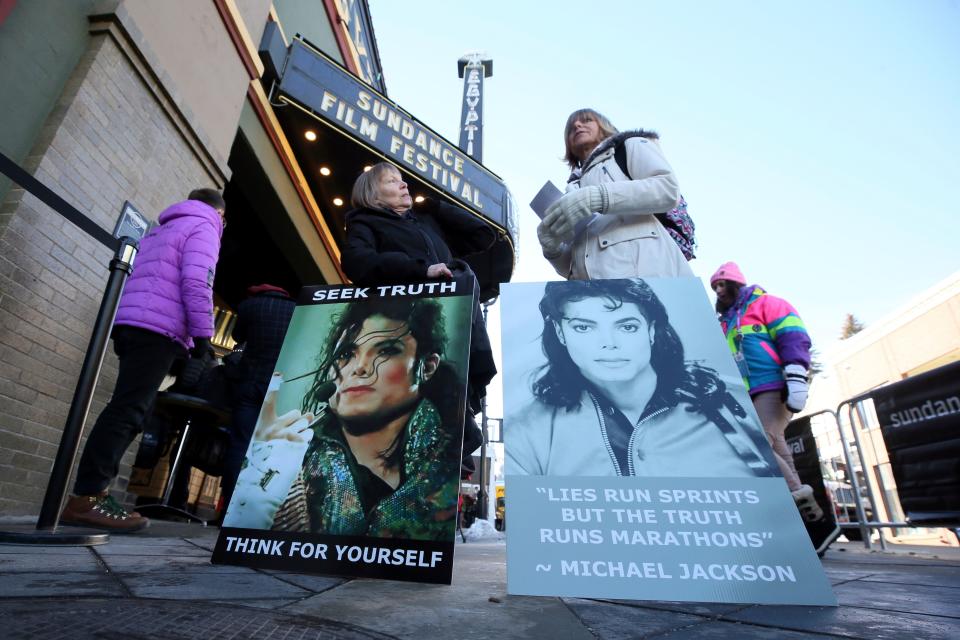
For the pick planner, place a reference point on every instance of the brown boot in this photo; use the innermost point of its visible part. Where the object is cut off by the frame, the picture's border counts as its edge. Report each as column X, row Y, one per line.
column 101, row 511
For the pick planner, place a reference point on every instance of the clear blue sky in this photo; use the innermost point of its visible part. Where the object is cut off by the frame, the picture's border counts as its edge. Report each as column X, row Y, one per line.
column 817, row 143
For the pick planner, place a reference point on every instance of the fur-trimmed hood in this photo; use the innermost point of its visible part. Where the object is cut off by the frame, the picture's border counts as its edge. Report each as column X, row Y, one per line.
column 610, row 143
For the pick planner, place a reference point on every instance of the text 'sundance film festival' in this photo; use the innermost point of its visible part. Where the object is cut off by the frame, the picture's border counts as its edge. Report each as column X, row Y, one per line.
column 354, row 466
column 636, row 466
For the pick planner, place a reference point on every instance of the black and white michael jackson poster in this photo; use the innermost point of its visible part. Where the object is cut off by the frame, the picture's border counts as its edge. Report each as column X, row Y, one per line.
column 636, row 466
column 354, row 465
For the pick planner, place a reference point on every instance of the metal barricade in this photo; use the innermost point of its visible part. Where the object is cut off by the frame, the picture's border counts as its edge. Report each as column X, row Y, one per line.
column 856, row 411
column 861, row 523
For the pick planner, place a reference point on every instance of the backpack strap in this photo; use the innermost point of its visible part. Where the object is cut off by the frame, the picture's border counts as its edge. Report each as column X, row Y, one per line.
column 620, row 157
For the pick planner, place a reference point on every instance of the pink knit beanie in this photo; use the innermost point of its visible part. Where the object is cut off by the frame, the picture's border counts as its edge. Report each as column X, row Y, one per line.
column 728, row 271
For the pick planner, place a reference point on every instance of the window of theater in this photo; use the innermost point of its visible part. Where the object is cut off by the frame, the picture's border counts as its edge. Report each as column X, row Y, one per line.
column 224, row 320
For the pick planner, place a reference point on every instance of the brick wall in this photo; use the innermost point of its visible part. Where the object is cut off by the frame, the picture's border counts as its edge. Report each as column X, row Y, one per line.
column 109, row 138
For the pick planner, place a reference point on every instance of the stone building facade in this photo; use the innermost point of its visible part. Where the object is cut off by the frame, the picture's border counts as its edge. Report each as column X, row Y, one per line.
column 107, row 101
column 139, row 101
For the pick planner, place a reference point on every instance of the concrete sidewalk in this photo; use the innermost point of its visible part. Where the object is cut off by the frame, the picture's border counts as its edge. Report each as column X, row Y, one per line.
column 161, row 585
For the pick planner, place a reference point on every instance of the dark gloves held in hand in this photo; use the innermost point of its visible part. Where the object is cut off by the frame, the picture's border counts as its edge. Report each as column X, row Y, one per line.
column 191, row 374
column 200, row 358
column 201, row 348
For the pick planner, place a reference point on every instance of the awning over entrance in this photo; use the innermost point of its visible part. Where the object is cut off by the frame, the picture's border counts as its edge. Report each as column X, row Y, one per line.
column 337, row 125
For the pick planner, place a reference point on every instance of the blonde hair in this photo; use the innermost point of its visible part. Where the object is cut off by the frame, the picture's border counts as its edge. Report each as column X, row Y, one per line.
column 366, row 190
column 606, row 128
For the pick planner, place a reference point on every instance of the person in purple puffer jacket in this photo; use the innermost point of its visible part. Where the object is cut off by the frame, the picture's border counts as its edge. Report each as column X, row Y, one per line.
column 166, row 311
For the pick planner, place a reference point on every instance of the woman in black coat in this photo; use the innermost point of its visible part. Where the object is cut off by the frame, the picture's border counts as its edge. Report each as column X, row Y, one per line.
column 390, row 242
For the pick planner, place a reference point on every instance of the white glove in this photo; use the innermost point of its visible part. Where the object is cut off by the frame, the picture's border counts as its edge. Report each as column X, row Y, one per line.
column 797, row 387
column 263, row 485
column 562, row 216
column 551, row 243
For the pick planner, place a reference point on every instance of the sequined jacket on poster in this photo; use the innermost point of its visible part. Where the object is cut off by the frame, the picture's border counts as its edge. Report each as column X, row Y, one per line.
column 170, row 290
column 424, row 505
column 770, row 335
column 294, row 487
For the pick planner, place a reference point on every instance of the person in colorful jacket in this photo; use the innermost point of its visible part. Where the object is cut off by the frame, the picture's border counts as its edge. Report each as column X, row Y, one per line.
column 165, row 311
column 605, row 225
column 772, row 350
column 375, row 448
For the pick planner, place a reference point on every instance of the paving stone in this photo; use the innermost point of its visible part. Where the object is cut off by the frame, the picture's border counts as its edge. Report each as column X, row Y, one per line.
column 853, row 622
column 177, row 530
column 208, row 542
column 708, row 609
column 210, row 586
column 927, row 576
column 166, row 587
column 36, row 550
column 476, row 603
column 613, row 621
column 147, row 547
column 58, row 584
column 890, row 559
column 836, row 576
column 725, row 630
column 37, row 620
column 418, row 611
column 316, row 584
column 18, row 562
column 125, row 564
column 267, row 603
column 905, row 598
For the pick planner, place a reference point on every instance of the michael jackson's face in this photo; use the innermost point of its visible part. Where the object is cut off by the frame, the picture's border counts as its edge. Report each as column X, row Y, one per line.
column 376, row 370
column 607, row 344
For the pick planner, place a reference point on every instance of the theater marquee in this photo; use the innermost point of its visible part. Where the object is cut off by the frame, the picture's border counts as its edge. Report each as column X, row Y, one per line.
column 319, row 85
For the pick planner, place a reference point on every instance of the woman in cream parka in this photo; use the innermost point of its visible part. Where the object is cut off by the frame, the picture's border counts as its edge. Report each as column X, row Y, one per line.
column 605, row 225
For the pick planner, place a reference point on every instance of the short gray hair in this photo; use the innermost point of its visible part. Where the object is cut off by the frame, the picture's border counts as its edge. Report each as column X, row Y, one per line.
column 366, row 190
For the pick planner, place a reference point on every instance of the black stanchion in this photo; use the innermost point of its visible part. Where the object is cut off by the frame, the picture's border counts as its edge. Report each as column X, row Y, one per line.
column 46, row 530
column 89, row 373
column 484, row 480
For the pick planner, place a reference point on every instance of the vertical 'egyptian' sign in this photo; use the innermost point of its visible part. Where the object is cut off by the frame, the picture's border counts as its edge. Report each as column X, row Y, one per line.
column 471, row 113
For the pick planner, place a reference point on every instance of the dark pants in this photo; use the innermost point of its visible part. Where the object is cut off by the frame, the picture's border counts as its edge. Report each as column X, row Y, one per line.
column 145, row 358
column 246, row 411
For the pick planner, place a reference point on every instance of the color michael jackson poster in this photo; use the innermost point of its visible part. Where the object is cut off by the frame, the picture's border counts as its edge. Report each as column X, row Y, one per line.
column 354, row 465
column 636, row 466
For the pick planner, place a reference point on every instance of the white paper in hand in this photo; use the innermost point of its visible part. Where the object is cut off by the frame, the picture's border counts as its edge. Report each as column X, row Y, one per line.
column 547, row 195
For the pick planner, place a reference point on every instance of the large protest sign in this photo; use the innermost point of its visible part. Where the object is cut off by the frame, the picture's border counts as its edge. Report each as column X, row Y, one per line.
column 354, row 466
column 636, row 466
